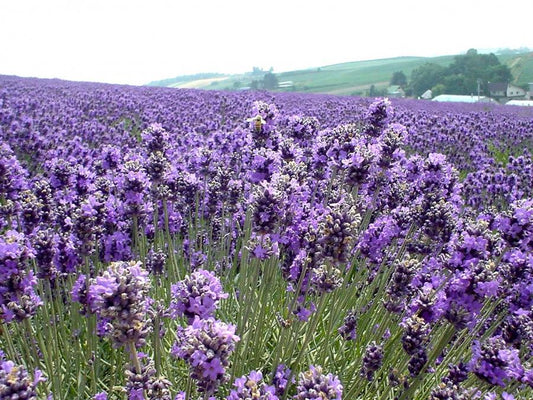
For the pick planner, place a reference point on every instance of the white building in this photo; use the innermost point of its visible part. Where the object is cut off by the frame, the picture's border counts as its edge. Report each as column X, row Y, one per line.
column 502, row 91
column 286, row 84
column 528, row 103
column 427, row 95
column 457, row 98
column 515, row 91
column 395, row 91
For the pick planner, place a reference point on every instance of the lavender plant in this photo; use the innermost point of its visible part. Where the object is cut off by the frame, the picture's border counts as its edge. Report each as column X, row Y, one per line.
column 387, row 242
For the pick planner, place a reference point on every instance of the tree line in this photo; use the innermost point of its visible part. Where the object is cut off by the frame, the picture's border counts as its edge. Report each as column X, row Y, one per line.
column 466, row 75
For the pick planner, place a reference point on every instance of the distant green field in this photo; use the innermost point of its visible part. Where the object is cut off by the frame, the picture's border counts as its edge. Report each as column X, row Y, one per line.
column 345, row 78
column 522, row 68
column 356, row 76
column 351, row 77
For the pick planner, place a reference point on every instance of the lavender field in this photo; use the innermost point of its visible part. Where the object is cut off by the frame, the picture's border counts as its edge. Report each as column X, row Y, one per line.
column 179, row 244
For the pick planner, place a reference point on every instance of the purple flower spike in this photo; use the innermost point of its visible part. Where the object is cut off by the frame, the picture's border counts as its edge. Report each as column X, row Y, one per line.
column 197, row 295
column 282, row 378
column 206, row 346
column 376, row 116
column 100, row 396
column 252, row 387
column 119, row 296
column 15, row 383
column 18, row 299
column 348, row 330
column 494, row 362
column 313, row 384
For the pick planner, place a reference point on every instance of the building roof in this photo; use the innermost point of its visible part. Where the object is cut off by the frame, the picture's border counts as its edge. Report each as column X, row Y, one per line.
column 394, row 88
column 497, row 86
column 520, row 103
column 462, row 99
column 428, row 94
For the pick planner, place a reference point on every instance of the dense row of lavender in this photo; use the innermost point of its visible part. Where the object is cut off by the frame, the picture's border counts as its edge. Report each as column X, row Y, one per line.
column 487, row 140
column 257, row 245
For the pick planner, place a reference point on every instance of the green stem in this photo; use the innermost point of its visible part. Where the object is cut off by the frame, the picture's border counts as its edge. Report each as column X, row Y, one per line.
column 30, row 335
column 134, row 357
column 13, row 354
column 157, row 343
column 308, row 335
column 443, row 342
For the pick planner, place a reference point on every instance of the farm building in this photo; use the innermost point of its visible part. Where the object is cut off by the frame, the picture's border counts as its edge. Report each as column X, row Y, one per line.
column 515, row 91
column 502, row 90
column 528, row 103
column 286, row 84
column 497, row 89
column 456, row 98
column 427, row 95
column 395, row 91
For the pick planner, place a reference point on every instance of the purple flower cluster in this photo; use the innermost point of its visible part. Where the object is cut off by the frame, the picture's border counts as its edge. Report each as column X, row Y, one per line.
column 18, row 299
column 252, row 386
column 146, row 381
column 13, row 177
column 372, row 360
column 313, row 384
column 348, row 330
column 376, row 116
column 494, row 362
column 336, row 188
column 283, row 377
column 206, row 346
column 197, row 296
column 16, row 384
column 119, row 298
column 415, row 336
column 302, row 129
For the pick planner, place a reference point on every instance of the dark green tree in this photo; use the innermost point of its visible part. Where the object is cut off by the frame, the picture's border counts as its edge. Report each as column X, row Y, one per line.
column 375, row 92
column 270, row 81
column 462, row 76
column 399, row 78
column 438, row 89
column 500, row 73
column 255, row 84
column 425, row 77
column 257, row 71
column 458, row 84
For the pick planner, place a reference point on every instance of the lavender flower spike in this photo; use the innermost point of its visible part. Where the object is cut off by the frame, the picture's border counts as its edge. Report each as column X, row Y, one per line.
column 206, row 346
column 252, row 387
column 16, row 384
column 119, row 296
column 313, row 384
column 197, row 295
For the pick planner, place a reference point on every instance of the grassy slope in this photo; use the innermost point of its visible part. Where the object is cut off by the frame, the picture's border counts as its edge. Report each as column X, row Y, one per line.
column 345, row 78
column 356, row 77
column 521, row 67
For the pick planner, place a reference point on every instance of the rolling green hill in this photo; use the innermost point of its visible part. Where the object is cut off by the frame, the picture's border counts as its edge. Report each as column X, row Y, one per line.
column 351, row 78
column 521, row 67
column 355, row 77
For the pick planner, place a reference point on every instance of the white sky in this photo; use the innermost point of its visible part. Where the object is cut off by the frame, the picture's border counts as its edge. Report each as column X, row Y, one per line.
column 135, row 42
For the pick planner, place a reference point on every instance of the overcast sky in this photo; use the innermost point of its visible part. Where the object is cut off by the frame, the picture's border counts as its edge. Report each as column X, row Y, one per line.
column 135, row 42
